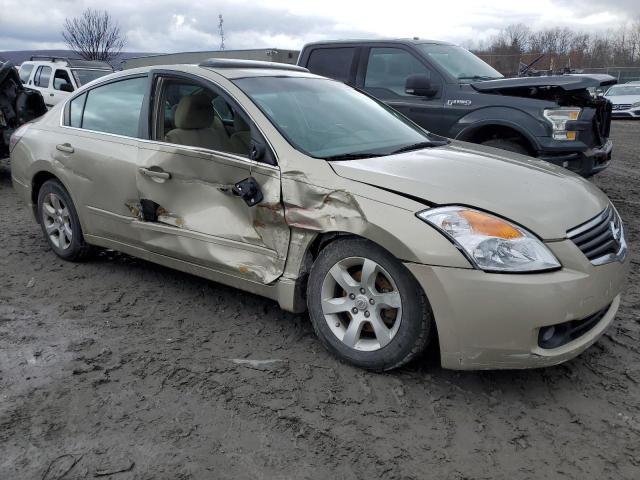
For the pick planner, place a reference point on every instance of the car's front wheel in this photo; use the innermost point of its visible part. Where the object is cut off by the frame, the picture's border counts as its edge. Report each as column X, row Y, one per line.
column 366, row 307
column 60, row 223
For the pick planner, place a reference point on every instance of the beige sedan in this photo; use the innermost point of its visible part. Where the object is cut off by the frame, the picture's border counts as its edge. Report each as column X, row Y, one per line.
column 301, row 189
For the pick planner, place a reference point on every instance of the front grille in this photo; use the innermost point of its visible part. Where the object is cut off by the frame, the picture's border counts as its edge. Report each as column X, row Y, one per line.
column 555, row 336
column 622, row 106
column 601, row 239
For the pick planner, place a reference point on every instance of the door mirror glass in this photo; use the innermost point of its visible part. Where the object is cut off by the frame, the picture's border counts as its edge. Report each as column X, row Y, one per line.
column 419, row 85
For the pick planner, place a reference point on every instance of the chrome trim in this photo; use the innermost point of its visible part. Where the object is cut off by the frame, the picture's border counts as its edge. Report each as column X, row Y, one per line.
column 589, row 224
column 196, row 149
column 618, row 235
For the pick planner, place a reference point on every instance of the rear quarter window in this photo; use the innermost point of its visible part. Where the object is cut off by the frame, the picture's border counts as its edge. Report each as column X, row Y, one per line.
column 25, row 72
column 332, row 62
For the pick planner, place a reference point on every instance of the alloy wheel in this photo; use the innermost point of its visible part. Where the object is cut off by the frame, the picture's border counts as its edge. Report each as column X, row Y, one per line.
column 57, row 221
column 361, row 304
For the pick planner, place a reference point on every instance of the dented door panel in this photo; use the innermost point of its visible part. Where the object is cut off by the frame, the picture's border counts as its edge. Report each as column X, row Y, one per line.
column 194, row 215
column 100, row 170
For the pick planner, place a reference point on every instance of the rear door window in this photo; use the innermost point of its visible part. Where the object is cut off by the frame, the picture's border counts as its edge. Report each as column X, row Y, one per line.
column 114, row 107
column 332, row 62
column 25, row 72
column 43, row 74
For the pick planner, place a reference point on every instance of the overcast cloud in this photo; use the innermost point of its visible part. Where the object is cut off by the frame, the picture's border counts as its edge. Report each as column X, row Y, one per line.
column 171, row 25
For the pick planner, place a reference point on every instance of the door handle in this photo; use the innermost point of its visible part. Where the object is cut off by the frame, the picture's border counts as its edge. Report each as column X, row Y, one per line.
column 64, row 147
column 154, row 173
column 51, row 94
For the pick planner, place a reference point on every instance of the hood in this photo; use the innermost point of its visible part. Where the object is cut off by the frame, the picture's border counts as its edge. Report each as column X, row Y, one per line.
column 565, row 82
column 546, row 199
column 623, row 99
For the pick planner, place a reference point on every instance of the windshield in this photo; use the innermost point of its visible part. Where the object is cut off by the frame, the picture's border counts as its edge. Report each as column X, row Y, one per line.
column 327, row 119
column 84, row 76
column 624, row 90
column 459, row 62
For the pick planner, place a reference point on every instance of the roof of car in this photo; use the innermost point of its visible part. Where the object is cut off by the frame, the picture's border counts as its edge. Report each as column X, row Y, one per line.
column 405, row 41
column 69, row 62
column 243, row 70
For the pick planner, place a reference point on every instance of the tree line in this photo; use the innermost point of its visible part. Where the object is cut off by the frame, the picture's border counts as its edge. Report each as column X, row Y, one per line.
column 562, row 48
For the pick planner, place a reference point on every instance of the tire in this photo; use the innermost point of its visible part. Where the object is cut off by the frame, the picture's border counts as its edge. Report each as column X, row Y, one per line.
column 404, row 332
column 508, row 145
column 60, row 223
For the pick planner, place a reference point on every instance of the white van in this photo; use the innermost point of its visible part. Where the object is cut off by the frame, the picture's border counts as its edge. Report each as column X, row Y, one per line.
column 57, row 77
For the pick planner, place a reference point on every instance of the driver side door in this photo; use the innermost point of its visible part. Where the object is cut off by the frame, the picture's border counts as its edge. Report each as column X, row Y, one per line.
column 187, row 171
column 386, row 71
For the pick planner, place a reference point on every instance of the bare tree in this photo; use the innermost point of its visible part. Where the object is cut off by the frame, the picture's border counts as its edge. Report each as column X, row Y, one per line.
column 95, row 35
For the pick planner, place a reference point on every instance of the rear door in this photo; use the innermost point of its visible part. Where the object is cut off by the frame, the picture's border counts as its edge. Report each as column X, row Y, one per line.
column 384, row 72
column 42, row 81
column 185, row 183
column 97, row 151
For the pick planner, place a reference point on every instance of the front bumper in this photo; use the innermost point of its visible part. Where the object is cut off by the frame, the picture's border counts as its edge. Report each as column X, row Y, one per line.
column 631, row 113
column 586, row 163
column 492, row 321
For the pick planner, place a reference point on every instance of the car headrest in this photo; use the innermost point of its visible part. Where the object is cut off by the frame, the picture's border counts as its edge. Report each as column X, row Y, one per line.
column 194, row 112
column 239, row 125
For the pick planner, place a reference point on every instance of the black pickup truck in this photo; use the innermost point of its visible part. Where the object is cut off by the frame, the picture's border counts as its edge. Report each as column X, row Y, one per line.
column 18, row 105
column 451, row 92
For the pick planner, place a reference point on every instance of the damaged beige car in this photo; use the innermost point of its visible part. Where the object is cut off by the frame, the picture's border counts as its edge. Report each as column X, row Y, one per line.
column 301, row 189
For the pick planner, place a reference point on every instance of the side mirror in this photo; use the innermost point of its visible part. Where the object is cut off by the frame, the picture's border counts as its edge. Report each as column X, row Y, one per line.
column 419, row 85
column 66, row 87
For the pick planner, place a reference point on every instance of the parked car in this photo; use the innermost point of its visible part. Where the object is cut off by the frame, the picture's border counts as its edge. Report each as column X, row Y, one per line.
column 299, row 188
column 17, row 105
column 625, row 99
column 56, row 77
column 449, row 91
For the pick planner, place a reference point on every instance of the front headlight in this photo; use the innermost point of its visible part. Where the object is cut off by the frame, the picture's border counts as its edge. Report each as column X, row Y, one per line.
column 635, row 105
column 491, row 243
column 558, row 117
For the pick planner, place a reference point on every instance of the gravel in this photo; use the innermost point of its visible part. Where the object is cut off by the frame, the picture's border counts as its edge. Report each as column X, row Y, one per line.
column 121, row 369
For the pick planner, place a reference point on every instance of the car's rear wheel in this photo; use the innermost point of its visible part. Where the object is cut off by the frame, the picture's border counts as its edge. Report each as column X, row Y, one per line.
column 59, row 221
column 366, row 307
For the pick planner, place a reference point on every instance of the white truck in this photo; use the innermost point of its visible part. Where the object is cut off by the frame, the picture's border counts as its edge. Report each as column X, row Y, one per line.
column 57, row 77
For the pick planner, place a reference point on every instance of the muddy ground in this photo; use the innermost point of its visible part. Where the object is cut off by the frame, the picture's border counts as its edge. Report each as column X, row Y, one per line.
column 118, row 368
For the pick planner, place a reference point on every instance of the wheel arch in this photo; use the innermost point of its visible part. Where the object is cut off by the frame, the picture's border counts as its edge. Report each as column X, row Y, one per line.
column 478, row 133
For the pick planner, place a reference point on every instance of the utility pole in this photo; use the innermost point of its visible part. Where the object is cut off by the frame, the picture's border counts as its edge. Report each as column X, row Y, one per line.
column 221, row 31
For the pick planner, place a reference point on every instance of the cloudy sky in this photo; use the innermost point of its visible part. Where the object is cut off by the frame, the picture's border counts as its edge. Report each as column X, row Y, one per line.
column 179, row 25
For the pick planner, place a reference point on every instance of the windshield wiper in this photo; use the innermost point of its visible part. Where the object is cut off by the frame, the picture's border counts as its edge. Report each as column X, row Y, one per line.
column 420, row 145
column 351, row 156
column 478, row 77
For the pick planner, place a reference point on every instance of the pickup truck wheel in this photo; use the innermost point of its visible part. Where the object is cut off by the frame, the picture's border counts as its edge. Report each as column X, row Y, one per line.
column 508, row 145
column 60, row 224
column 366, row 307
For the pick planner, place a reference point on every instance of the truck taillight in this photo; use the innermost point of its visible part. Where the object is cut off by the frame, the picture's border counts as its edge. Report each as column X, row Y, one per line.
column 16, row 136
